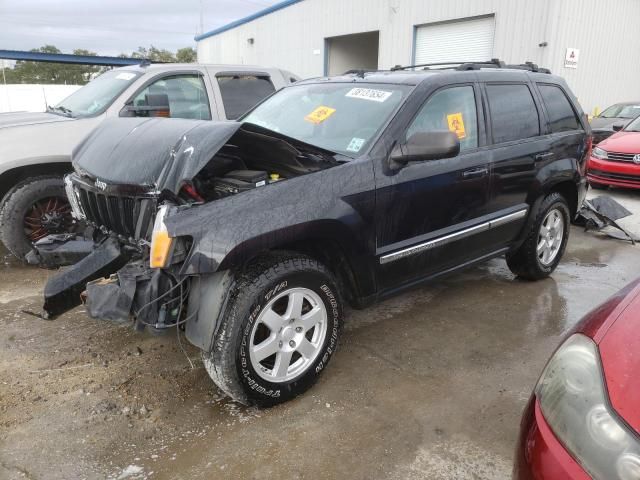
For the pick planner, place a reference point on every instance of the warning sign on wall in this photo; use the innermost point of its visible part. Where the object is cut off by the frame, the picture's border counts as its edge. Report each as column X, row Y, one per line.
column 571, row 58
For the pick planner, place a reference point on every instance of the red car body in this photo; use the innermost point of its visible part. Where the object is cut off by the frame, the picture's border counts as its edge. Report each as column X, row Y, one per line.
column 615, row 329
column 622, row 167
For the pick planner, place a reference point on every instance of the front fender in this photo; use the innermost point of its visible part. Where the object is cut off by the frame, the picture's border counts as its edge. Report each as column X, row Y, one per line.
column 334, row 204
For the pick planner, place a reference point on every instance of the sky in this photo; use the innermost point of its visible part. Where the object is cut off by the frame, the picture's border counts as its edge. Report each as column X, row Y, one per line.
column 111, row 27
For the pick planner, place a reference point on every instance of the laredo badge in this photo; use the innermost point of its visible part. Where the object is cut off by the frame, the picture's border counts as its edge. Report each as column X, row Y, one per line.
column 320, row 114
column 456, row 124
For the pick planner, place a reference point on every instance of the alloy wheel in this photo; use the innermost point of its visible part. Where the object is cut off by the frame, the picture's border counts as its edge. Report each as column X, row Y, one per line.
column 550, row 237
column 288, row 335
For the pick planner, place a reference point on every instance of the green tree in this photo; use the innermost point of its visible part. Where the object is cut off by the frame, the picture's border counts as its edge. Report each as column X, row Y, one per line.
column 47, row 73
column 186, row 55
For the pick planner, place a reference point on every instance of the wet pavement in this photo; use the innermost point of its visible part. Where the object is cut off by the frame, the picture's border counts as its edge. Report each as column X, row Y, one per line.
column 429, row 384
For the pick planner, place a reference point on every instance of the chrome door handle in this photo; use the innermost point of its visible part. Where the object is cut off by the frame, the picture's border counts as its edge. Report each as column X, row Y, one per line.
column 475, row 172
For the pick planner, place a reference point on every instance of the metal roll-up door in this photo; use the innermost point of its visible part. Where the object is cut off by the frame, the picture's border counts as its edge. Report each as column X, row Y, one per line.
column 459, row 41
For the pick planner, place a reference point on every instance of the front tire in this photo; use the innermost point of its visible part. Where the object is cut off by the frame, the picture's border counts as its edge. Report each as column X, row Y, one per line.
column 546, row 241
column 279, row 331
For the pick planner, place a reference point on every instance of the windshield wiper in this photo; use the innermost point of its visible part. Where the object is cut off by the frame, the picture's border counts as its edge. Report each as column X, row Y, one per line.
column 59, row 108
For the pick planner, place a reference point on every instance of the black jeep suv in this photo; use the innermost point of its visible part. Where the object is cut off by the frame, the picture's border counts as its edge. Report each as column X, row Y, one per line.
column 252, row 235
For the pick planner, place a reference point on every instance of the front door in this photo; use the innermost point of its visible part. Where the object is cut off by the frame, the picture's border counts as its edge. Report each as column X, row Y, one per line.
column 428, row 213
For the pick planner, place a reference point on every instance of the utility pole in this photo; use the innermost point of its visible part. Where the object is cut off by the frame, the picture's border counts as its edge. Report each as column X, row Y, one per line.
column 201, row 17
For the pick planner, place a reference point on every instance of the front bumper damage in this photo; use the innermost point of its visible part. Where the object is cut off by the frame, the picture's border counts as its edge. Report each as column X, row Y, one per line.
column 62, row 291
column 115, row 284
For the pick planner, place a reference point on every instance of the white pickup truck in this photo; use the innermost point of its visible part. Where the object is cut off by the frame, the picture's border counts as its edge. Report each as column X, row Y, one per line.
column 35, row 148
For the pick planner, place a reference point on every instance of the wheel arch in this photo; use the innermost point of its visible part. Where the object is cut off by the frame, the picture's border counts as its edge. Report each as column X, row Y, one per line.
column 14, row 176
column 329, row 241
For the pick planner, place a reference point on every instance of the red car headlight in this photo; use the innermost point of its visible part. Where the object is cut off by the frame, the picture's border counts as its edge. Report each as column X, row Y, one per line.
column 600, row 153
column 574, row 402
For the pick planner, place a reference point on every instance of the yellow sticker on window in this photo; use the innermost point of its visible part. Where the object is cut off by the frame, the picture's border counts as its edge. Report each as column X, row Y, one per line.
column 456, row 124
column 320, row 114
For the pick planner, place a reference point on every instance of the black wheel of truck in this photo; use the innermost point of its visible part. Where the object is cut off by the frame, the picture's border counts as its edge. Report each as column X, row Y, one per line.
column 279, row 331
column 32, row 210
column 546, row 241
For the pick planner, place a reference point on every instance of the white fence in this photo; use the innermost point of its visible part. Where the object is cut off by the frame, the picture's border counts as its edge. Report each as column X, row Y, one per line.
column 32, row 98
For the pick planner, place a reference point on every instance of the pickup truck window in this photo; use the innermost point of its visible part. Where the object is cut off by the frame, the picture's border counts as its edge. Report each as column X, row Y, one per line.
column 450, row 109
column 562, row 118
column 240, row 93
column 96, row 96
column 514, row 115
column 340, row 117
column 186, row 93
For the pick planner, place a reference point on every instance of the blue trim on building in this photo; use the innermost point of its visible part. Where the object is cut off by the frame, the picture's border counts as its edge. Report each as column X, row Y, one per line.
column 68, row 58
column 250, row 18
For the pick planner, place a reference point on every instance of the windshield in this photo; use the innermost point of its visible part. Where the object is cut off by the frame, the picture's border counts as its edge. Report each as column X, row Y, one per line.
column 340, row 117
column 97, row 95
column 633, row 126
column 621, row 111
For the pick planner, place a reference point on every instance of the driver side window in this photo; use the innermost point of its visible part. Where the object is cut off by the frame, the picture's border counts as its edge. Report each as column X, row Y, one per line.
column 450, row 109
column 186, row 93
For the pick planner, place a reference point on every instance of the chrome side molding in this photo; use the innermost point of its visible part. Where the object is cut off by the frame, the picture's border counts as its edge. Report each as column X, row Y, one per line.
column 452, row 237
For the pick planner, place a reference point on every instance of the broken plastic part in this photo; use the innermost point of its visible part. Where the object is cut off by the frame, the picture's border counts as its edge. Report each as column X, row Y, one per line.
column 601, row 212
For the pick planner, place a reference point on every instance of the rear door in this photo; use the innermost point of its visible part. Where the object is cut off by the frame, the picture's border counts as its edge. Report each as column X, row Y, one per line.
column 518, row 147
column 568, row 137
column 427, row 213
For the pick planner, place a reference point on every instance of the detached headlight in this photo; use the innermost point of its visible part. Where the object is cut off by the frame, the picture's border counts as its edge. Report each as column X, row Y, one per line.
column 573, row 400
column 74, row 199
column 161, row 242
column 599, row 153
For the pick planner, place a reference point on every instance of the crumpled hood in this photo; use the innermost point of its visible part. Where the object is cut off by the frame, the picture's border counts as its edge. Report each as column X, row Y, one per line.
column 156, row 152
column 18, row 119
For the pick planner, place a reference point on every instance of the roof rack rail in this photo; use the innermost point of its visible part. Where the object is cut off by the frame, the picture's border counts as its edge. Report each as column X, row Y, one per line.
column 530, row 66
column 493, row 63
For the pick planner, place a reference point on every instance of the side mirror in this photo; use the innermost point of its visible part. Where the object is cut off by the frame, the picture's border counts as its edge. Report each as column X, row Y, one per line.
column 423, row 146
column 156, row 105
column 617, row 127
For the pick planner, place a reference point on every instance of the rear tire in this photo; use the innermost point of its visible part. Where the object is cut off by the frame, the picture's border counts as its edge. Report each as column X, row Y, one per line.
column 31, row 198
column 279, row 331
column 546, row 241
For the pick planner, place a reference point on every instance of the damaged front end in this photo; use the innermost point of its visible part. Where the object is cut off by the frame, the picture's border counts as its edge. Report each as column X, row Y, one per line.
column 131, row 175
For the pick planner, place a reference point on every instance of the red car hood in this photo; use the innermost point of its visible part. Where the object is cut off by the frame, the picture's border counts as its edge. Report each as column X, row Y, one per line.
column 622, row 142
column 619, row 343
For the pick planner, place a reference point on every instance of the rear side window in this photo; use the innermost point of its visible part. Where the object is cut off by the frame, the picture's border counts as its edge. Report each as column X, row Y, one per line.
column 514, row 115
column 240, row 93
column 562, row 118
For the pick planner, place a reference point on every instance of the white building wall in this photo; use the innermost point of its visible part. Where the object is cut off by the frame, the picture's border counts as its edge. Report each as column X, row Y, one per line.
column 605, row 31
column 32, row 98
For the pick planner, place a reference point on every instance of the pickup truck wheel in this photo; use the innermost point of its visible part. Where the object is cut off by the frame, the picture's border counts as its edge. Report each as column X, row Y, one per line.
column 32, row 210
column 279, row 331
column 542, row 251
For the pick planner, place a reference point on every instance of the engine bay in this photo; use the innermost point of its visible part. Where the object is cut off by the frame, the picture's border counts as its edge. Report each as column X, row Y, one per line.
column 252, row 159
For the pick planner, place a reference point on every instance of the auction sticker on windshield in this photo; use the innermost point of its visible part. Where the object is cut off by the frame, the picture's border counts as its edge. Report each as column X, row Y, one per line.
column 369, row 94
column 320, row 114
column 355, row 145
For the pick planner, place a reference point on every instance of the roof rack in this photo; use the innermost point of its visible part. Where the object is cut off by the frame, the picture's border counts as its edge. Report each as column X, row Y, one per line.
column 493, row 63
